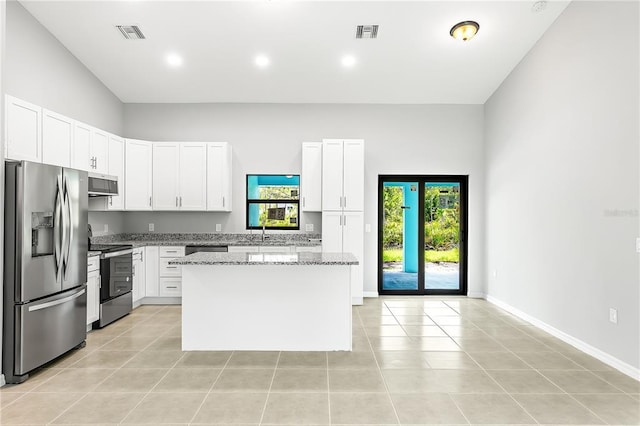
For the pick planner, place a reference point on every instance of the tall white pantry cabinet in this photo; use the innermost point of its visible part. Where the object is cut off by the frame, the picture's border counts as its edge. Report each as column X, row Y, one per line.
column 343, row 204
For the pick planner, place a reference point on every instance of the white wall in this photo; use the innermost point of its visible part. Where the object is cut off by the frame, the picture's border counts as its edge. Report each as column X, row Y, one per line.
column 41, row 70
column 562, row 179
column 3, row 10
column 266, row 138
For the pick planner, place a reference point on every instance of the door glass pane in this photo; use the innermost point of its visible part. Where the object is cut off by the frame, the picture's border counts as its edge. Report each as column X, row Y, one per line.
column 400, row 236
column 442, row 236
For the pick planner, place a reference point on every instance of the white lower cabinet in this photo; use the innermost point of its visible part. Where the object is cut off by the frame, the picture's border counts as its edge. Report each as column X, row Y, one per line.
column 261, row 249
column 152, row 288
column 139, row 275
column 93, row 290
column 170, row 276
column 309, row 249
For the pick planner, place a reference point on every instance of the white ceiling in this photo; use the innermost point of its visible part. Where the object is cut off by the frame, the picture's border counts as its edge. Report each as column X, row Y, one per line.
column 413, row 60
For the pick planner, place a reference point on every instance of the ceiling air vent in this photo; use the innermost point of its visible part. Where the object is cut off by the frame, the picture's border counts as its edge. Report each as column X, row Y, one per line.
column 367, row 31
column 131, row 32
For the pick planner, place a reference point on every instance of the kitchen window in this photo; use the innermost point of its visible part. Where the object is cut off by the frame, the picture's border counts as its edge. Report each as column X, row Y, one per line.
column 273, row 202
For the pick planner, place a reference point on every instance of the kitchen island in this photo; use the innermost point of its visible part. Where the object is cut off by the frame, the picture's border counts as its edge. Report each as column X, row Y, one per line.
column 266, row 301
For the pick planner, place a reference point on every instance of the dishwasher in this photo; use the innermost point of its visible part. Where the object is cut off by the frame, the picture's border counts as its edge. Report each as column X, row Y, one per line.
column 196, row 249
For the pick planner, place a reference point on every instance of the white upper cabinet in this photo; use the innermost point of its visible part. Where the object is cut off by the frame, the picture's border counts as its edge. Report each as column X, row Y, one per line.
column 311, row 179
column 99, row 151
column 166, row 168
column 57, row 139
column 353, row 175
column 219, row 176
column 23, row 125
column 81, row 145
column 138, row 175
column 116, row 168
column 193, row 176
column 343, row 174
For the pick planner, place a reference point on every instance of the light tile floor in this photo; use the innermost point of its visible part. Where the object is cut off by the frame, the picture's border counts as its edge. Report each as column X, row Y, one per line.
column 418, row 360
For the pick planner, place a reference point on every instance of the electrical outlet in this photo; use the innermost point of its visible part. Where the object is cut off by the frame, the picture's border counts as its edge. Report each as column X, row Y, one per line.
column 151, row 227
column 367, row 227
column 638, row 244
column 495, row 273
column 218, row 227
column 309, row 227
column 613, row 315
column 106, row 228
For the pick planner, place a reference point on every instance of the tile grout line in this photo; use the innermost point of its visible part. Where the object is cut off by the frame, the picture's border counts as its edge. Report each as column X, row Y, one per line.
column 161, row 378
column 273, row 376
column 375, row 358
column 210, row 388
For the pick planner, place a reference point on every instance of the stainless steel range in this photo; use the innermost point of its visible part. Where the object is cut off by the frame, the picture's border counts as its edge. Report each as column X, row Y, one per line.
column 116, row 284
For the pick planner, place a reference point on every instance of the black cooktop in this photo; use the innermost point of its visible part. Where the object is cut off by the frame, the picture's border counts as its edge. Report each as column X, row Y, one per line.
column 107, row 248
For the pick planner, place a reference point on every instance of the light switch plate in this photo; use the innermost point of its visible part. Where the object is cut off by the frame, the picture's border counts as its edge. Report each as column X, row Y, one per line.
column 367, row 227
column 613, row 315
column 218, row 227
column 309, row 227
column 151, row 227
column 638, row 244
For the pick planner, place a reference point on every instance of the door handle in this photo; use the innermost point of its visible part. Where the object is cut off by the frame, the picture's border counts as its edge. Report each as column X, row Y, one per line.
column 68, row 228
column 56, row 302
column 176, row 201
column 181, row 201
column 222, row 201
column 149, row 201
column 111, row 201
column 58, row 229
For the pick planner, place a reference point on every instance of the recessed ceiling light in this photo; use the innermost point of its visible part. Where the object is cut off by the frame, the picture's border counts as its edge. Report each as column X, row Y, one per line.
column 174, row 60
column 348, row 61
column 464, row 30
column 262, row 61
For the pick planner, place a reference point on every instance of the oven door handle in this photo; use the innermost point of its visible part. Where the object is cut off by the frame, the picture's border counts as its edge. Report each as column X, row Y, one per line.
column 116, row 253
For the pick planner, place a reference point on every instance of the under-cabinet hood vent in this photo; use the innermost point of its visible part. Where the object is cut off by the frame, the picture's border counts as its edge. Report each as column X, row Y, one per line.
column 131, row 32
column 367, row 31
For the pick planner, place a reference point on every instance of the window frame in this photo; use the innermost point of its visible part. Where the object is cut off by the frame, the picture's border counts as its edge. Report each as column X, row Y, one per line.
column 249, row 201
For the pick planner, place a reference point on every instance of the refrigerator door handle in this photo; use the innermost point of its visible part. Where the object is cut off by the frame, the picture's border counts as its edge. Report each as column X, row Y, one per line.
column 68, row 229
column 56, row 302
column 58, row 227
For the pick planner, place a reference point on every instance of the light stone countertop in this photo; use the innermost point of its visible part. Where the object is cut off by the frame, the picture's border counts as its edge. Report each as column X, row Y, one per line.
column 296, row 259
column 210, row 239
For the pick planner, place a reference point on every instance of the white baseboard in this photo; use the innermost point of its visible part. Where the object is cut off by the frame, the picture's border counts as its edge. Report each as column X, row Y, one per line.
column 476, row 295
column 608, row 359
column 2, row 381
column 371, row 294
column 356, row 301
column 161, row 301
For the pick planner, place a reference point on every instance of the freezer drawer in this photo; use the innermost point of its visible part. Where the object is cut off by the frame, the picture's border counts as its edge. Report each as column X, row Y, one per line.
column 47, row 328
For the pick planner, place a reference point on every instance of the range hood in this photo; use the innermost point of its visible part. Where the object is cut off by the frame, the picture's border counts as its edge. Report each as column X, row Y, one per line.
column 102, row 185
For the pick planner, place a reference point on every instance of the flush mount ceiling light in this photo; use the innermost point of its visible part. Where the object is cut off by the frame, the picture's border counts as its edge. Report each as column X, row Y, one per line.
column 348, row 61
column 174, row 60
column 262, row 61
column 464, row 30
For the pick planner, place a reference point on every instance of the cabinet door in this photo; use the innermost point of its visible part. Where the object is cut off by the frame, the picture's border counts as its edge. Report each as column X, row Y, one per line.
column 353, row 175
column 93, row 297
column 166, row 161
column 23, row 130
column 311, row 179
column 81, row 146
column 57, row 136
column 332, row 231
column 332, row 170
column 193, row 176
column 139, row 275
column 116, row 168
column 353, row 242
column 137, row 175
column 219, row 176
column 99, row 151
column 151, row 272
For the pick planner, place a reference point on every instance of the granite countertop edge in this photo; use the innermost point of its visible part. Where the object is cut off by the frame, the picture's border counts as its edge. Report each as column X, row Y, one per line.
column 209, row 239
column 254, row 259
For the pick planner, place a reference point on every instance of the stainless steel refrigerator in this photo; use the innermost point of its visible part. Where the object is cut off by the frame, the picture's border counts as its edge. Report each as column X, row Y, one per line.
column 45, row 265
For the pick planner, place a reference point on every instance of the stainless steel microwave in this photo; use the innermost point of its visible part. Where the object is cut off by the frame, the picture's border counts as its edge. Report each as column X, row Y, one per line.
column 102, row 185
